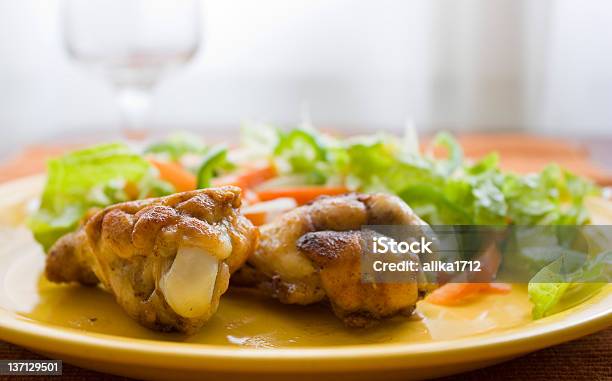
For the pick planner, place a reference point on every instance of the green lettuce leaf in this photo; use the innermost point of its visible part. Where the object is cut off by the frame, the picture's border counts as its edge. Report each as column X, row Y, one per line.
column 301, row 151
column 178, row 145
column 558, row 286
column 92, row 177
column 443, row 191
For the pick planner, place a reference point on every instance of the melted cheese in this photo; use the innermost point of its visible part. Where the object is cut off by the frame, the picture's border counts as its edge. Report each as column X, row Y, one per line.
column 189, row 284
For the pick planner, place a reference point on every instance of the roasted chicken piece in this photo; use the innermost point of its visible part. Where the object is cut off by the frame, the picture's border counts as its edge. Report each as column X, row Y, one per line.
column 313, row 253
column 167, row 260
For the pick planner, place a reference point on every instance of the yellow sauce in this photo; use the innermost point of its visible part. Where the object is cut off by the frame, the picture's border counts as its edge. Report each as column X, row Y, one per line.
column 243, row 318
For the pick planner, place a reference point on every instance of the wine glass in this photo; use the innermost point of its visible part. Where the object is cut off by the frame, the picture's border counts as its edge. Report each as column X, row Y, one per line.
column 132, row 43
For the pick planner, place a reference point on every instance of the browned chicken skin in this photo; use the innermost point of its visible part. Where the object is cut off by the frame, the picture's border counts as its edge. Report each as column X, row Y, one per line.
column 167, row 261
column 313, row 253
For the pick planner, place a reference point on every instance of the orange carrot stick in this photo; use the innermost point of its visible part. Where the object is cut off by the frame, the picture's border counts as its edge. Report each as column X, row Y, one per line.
column 257, row 219
column 247, row 179
column 180, row 178
column 456, row 293
column 301, row 194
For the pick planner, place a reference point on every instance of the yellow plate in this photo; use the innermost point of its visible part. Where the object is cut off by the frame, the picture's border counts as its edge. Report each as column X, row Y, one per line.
column 255, row 338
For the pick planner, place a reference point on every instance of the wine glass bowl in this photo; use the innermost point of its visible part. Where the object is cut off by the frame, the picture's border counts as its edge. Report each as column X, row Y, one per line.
column 132, row 44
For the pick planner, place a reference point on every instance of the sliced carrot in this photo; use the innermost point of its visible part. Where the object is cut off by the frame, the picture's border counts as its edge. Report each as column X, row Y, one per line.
column 179, row 177
column 249, row 197
column 456, row 293
column 257, row 219
column 453, row 293
column 248, row 178
column 302, row 194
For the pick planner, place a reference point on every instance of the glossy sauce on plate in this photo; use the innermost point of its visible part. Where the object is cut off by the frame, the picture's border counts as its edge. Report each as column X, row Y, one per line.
column 244, row 318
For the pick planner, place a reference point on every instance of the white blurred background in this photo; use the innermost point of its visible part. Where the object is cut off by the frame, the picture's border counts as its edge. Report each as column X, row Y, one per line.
column 470, row 65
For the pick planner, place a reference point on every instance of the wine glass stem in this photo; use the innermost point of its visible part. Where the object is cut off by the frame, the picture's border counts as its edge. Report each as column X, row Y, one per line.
column 134, row 105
